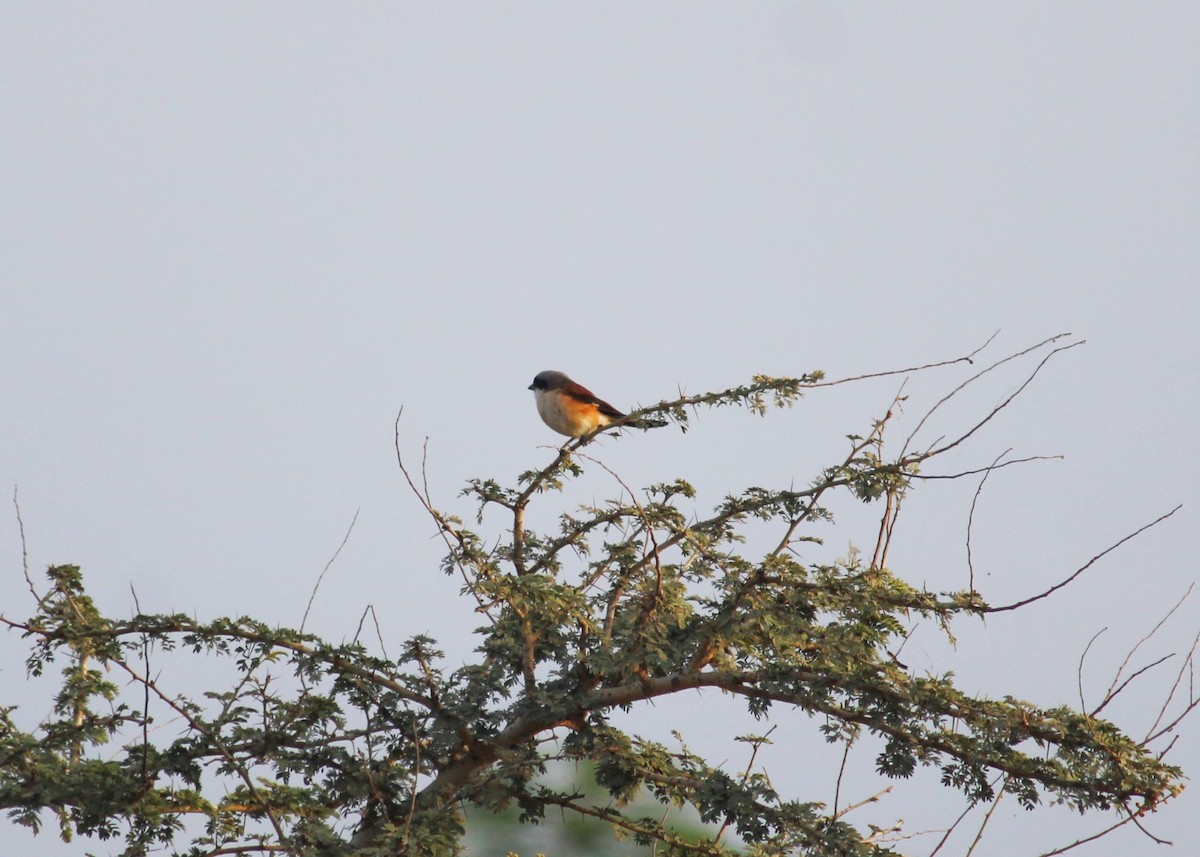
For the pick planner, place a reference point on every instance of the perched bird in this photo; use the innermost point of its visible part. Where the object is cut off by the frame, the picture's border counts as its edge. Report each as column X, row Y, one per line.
column 573, row 409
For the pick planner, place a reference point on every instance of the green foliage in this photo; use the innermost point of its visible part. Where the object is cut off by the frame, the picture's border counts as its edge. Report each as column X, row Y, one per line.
column 328, row 749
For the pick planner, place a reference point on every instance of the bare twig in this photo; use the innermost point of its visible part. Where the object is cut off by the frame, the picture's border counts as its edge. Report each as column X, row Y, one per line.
column 983, row 372
column 875, row 798
column 976, row 471
column 24, row 548
column 965, row 359
column 1017, row 604
column 1003, row 404
column 1186, row 668
column 1155, row 839
column 1113, row 690
column 950, row 830
column 971, row 516
column 1113, row 694
column 1085, row 840
column 369, row 610
column 321, row 576
column 379, row 632
column 445, row 529
column 987, row 817
column 1079, row 667
column 837, row 786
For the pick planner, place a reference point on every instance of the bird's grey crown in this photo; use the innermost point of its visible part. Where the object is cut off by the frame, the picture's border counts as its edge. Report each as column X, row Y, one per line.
column 548, row 379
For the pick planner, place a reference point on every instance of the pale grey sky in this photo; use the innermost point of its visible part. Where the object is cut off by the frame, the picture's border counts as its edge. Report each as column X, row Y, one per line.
column 236, row 239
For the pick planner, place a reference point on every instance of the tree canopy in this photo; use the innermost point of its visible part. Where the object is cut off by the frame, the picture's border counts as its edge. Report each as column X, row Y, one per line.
column 324, row 748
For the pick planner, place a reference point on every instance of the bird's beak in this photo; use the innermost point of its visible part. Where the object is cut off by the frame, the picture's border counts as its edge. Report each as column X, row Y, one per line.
column 530, row 387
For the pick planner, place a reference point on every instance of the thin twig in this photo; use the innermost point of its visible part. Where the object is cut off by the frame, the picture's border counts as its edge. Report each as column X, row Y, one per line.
column 1113, row 695
column 875, row 798
column 1110, row 694
column 1079, row 667
column 971, row 517
column 370, row 610
column 987, row 817
column 1082, row 568
column 949, row 830
column 979, row 375
column 976, row 471
column 1186, row 668
column 837, row 786
column 24, row 549
column 321, row 576
column 1003, row 404
column 889, row 372
column 379, row 632
column 445, row 529
column 1155, row 839
column 1087, row 839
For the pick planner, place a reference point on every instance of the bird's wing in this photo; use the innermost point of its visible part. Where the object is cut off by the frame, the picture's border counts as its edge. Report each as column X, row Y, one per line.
column 583, row 394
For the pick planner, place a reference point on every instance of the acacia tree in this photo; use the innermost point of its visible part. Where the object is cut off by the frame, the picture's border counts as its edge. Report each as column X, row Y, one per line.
column 321, row 748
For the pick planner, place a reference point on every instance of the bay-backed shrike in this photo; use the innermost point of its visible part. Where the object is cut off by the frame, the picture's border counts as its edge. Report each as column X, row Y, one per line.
column 573, row 409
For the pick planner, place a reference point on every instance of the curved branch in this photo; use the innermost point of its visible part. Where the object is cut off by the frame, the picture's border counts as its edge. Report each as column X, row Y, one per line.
column 1017, row 604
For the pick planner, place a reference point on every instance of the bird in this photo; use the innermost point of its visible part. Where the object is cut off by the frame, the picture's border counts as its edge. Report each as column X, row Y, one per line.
column 574, row 410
